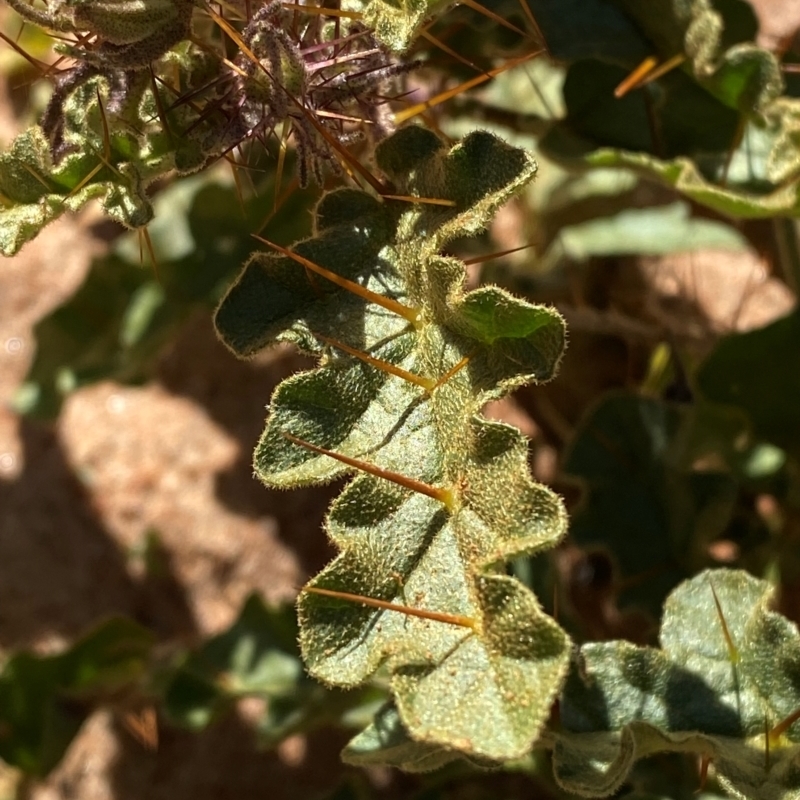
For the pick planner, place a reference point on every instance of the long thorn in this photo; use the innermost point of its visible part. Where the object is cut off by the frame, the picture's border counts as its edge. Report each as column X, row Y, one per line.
column 328, row 12
column 75, row 189
column 39, row 66
column 767, row 743
column 449, row 50
column 104, row 123
column 347, row 160
column 450, row 619
column 36, row 175
column 442, row 494
column 282, row 149
column 407, row 113
column 457, row 367
column 666, row 67
column 237, row 182
column 287, row 193
column 407, row 312
column 526, row 9
column 162, row 114
column 473, row 4
column 410, row 198
column 490, row 256
column 636, row 77
column 704, row 764
column 426, row 383
column 783, row 726
column 145, row 235
column 733, row 652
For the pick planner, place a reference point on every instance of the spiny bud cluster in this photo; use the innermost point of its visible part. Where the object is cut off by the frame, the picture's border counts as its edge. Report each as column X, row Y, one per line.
column 316, row 78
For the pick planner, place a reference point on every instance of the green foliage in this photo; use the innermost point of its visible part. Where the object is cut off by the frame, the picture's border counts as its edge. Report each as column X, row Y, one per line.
column 644, row 500
column 124, row 313
column 45, row 699
column 397, row 24
column 98, row 155
column 719, row 128
column 724, row 679
column 439, row 550
column 738, row 374
column 258, row 657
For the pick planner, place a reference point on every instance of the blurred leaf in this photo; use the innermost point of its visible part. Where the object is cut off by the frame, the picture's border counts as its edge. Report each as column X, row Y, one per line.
column 598, row 29
column 124, row 313
column 45, row 699
column 759, row 372
column 256, row 655
column 642, row 498
column 646, row 231
column 713, row 37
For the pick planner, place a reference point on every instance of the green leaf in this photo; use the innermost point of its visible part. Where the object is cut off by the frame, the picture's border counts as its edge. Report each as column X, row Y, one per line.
column 716, row 40
column 714, row 688
column 258, row 657
column 439, row 548
column 597, row 29
column 386, row 742
column 759, row 372
column 37, row 193
column 396, row 23
column 758, row 178
column 44, row 700
column 109, row 157
column 647, row 231
column 643, row 500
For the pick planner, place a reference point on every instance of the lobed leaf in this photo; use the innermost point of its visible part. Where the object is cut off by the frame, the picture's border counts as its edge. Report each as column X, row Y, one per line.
column 481, row 687
column 716, row 688
column 104, row 156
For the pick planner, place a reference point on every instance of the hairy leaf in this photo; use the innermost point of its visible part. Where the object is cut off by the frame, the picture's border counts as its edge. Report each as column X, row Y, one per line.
column 104, row 156
column 726, row 676
column 481, row 685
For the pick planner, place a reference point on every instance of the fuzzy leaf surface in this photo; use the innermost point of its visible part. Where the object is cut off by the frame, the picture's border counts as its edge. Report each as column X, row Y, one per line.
column 699, row 693
column 396, row 23
column 114, row 168
column 435, row 552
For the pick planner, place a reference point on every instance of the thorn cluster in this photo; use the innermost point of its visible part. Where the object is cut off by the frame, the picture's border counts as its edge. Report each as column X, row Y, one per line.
column 329, row 86
column 324, row 81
